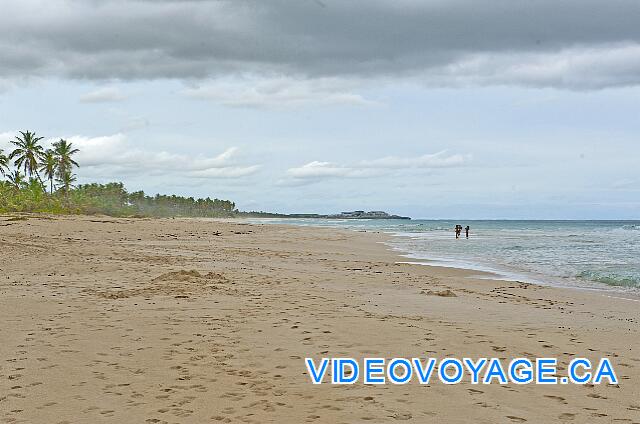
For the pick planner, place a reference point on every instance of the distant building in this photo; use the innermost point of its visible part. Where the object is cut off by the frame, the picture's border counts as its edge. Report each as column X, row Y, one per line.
column 352, row 214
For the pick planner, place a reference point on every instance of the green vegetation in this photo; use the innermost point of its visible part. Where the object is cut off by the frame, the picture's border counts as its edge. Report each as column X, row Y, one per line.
column 22, row 188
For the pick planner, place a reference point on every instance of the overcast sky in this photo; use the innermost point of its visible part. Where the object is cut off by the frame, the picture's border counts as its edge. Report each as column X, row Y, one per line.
column 433, row 108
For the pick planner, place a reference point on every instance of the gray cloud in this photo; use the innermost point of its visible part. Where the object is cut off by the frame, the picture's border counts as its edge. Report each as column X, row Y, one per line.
column 438, row 42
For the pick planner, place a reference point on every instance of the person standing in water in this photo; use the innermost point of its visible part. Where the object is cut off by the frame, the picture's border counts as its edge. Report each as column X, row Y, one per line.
column 458, row 230
column 466, row 231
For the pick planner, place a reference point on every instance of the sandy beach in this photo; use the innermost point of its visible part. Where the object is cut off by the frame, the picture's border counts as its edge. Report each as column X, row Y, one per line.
column 192, row 321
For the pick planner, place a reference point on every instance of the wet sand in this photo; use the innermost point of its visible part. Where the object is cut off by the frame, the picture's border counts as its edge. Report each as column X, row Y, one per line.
column 191, row 321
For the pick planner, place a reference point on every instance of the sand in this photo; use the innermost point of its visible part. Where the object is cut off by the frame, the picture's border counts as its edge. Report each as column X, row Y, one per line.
column 191, row 321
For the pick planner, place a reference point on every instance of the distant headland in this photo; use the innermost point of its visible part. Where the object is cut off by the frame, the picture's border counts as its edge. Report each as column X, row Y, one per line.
column 365, row 215
column 341, row 215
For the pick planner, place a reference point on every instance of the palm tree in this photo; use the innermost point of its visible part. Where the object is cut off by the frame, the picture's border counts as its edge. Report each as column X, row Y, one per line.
column 4, row 163
column 16, row 180
column 49, row 166
column 66, row 180
column 28, row 153
column 64, row 151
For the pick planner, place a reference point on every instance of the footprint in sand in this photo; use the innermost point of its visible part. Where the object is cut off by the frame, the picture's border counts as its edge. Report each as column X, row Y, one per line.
column 401, row 416
column 558, row 398
column 596, row 396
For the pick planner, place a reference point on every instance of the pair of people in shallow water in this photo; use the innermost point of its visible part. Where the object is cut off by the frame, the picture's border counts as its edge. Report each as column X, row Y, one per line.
column 459, row 230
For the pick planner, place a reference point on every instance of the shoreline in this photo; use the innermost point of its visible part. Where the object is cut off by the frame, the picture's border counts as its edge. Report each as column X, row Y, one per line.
column 189, row 320
column 630, row 294
column 491, row 270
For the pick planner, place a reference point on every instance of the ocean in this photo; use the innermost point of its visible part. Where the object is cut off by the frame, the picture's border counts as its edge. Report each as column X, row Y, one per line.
column 601, row 255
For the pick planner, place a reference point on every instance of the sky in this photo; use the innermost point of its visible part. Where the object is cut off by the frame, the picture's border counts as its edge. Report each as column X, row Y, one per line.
column 432, row 109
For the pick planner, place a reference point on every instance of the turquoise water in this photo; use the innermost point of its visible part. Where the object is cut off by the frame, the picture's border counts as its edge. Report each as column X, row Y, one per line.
column 588, row 254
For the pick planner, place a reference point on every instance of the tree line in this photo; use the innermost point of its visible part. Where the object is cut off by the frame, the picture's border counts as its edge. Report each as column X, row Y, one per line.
column 35, row 179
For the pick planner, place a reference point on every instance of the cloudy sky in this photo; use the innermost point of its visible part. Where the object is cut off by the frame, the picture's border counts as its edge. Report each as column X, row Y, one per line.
column 431, row 108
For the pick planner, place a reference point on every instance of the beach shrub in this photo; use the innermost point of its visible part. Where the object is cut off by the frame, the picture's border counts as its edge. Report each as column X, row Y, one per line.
column 108, row 199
